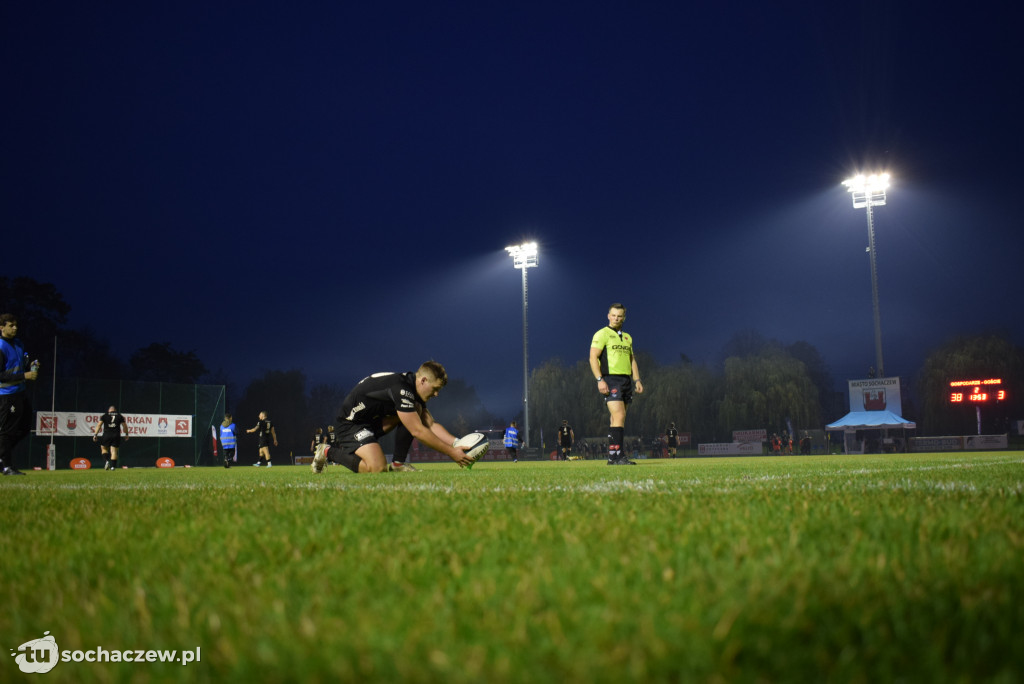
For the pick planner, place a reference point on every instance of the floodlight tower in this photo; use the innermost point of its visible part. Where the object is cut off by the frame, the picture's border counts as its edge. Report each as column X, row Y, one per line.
column 524, row 256
column 867, row 192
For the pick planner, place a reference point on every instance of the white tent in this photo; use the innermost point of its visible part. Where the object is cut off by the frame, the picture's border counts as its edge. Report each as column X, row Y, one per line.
column 871, row 420
column 854, row 421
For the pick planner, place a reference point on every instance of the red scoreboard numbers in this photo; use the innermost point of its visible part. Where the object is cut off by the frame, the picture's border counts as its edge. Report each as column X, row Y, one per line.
column 977, row 391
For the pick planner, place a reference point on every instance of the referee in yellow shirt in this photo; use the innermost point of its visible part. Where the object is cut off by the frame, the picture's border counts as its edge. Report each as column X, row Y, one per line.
column 615, row 370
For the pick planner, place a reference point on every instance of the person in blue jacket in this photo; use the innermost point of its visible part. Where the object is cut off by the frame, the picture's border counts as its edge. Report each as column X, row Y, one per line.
column 15, row 407
column 512, row 441
column 228, row 439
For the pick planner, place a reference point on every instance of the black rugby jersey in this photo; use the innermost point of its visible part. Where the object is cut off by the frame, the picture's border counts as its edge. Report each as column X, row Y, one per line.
column 112, row 423
column 379, row 396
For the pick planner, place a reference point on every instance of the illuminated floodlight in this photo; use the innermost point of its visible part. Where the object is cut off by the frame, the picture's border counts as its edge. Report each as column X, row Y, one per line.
column 524, row 255
column 867, row 190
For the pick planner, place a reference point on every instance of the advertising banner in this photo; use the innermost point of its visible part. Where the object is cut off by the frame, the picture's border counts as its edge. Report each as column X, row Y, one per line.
column 79, row 424
column 876, row 394
column 985, row 442
column 749, row 435
column 729, row 449
column 936, row 443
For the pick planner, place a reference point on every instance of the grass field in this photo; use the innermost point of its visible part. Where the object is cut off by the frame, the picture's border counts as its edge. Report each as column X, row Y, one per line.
column 797, row 569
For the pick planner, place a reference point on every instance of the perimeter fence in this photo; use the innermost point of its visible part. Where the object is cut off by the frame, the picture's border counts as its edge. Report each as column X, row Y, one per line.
column 205, row 403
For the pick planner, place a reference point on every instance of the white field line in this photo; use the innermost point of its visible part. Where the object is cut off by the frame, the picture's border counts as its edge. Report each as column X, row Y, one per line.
column 786, row 481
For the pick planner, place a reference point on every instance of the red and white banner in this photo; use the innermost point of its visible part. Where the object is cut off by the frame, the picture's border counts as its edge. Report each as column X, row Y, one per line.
column 77, row 424
column 749, row 435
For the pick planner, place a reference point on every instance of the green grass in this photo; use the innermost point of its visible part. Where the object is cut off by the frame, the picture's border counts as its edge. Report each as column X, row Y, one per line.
column 848, row 569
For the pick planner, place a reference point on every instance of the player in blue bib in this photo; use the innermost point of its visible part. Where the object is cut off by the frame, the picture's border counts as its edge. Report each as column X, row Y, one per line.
column 15, row 408
column 512, row 442
column 229, row 439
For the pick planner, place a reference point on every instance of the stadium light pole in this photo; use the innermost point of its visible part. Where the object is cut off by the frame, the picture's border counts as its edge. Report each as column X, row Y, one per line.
column 867, row 192
column 524, row 256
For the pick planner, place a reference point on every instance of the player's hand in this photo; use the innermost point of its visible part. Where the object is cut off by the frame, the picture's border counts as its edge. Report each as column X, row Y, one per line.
column 31, row 375
column 602, row 387
column 462, row 459
column 639, row 386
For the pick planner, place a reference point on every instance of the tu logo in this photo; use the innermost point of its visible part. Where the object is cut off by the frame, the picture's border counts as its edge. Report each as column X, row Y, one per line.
column 37, row 656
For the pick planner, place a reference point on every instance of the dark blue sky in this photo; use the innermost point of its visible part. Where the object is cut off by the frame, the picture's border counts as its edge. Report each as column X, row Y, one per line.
column 329, row 186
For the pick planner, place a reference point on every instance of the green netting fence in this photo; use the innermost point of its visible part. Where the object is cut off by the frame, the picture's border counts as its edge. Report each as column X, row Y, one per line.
column 205, row 403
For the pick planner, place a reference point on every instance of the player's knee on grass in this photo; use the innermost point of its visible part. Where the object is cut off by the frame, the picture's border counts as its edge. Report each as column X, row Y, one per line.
column 373, row 459
column 364, row 468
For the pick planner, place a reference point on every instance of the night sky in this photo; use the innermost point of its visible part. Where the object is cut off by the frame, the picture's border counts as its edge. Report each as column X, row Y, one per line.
column 330, row 186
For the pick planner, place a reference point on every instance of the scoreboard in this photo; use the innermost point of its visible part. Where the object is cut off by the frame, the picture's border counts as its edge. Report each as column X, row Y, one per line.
column 978, row 392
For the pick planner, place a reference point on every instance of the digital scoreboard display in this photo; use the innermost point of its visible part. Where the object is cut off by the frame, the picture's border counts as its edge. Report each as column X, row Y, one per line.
column 990, row 391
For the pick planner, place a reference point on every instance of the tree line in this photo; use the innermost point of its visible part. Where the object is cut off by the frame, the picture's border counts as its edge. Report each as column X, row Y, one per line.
column 296, row 407
column 758, row 383
column 763, row 384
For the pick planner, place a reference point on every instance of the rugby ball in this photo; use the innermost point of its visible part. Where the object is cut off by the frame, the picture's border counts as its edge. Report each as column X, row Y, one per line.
column 477, row 443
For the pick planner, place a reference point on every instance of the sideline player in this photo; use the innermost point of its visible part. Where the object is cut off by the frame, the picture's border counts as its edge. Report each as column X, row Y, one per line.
column 110, row 441
column 381, row 403
column 614, row 367
column 318, row 438
column 566, row 437
column 229, row 439
column 15, row 407
column 267, row 433
column 672, row 439
column 512, row 442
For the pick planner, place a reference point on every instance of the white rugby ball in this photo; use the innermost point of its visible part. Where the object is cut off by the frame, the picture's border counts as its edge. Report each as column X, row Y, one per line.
column 477, row 443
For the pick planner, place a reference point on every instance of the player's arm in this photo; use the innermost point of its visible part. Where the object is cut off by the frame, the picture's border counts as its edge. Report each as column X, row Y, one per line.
column 248, row 432
column 442, row 433
column 124, row 424
column 12, row 376
column 273, row 434
column 595, row 369
column 435, row 427
column 422, row 429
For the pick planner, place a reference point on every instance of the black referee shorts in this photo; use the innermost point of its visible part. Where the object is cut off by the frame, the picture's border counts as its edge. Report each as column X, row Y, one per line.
column 620, row 388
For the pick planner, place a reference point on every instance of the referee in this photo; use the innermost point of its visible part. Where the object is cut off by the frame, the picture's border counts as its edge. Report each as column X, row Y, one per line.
column 615, row 370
